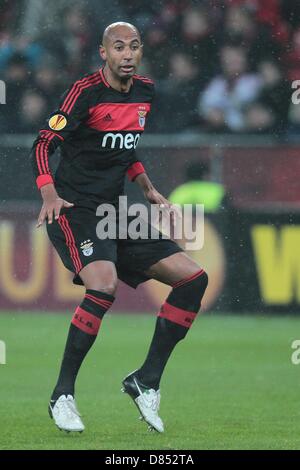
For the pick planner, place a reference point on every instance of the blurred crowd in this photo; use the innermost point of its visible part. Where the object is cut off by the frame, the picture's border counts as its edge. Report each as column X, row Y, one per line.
column 219, row 66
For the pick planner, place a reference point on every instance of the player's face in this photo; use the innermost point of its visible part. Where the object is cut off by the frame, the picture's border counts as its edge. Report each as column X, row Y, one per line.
column 123, row 53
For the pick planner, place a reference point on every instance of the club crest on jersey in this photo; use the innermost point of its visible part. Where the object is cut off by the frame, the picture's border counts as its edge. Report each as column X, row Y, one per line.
column 142, row 118
column 57, row 122
column 87, row 247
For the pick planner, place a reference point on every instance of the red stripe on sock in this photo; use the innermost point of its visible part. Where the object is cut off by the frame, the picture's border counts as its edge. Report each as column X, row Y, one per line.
column 104, row 303
column 177, row 315
column 86, row 321
column 188, row 279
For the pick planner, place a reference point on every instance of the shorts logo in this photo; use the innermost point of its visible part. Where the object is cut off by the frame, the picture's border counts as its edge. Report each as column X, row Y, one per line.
column 57, row 122
column 87, row 247
column 142, row 118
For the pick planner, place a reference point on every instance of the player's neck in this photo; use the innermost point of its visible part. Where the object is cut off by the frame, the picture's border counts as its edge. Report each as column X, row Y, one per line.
column 120, row 85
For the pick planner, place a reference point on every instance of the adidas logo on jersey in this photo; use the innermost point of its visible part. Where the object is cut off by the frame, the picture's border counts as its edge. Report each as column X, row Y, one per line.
column 107, row 118
column 120, row 141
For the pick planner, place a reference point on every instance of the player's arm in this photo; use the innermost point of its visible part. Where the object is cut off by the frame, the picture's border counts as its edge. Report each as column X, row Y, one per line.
column 154, row 197
column 52, row 204
column 137, row 173
column 60, row 126
column 150, row 193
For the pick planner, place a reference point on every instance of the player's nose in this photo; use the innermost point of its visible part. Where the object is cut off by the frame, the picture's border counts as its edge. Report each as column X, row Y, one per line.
column 128, row 54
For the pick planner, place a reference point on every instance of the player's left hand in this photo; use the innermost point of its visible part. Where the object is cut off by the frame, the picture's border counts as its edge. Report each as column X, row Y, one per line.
column 154, row 197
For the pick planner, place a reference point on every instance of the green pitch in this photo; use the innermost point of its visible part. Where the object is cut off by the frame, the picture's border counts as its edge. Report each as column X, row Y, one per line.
column 229, row 385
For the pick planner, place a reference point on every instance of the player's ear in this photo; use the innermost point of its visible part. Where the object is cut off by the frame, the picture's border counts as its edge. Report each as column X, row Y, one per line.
column 102, row 52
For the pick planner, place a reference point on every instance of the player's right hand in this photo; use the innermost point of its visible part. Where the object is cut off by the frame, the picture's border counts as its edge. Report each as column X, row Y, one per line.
column 52, row 205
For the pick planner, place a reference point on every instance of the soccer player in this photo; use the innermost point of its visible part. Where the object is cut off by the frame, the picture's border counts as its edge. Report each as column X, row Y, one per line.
column 97, row 126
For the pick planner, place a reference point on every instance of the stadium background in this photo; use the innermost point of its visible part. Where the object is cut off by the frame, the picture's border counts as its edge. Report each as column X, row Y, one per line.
column 192, row 49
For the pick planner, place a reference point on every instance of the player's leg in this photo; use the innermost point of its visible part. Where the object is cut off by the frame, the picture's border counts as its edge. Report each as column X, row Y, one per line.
column 93, row 262
column 189, row 282
column 176, row 315
column 100, row 280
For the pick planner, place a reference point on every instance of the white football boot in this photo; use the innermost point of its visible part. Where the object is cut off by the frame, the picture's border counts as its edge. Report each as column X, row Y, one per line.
column 147, row 401
column 65, row 414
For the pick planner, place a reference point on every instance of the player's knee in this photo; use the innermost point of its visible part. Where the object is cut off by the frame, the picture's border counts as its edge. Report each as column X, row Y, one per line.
column 203, row 281
column 100, row 276
column 108, row 284
column 194, row 283
column 196, row 287
column 108, row 288
column 188, row 292
column 179, row 311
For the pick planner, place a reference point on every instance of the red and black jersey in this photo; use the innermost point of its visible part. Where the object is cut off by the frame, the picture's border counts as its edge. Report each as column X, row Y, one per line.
column 97, row 129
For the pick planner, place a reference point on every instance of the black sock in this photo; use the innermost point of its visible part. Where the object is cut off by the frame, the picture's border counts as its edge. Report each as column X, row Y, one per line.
column 82, row 334
column 174, row 320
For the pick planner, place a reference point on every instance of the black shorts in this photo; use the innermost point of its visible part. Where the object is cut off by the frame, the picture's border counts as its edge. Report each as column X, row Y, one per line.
column 74, row 238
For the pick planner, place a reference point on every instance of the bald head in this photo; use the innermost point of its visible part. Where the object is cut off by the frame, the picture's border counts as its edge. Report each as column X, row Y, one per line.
column 121, row 49
column 120, row 30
